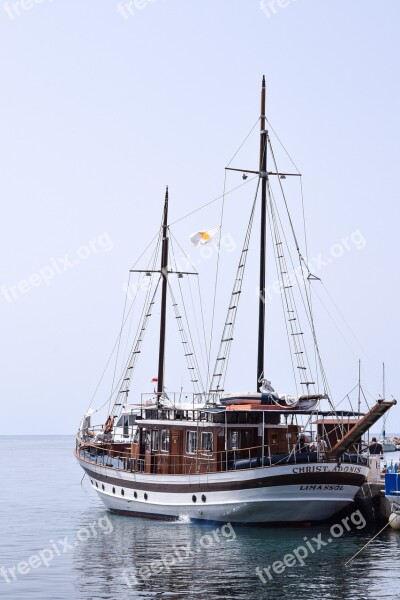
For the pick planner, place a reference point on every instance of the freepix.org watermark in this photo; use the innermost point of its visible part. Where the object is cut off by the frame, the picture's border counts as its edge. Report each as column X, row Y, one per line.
column 20, row 7
column 45, row 557
column 271, row 7
column 179, row 554
column 130, row 8
column 299, row 555
column 354, row 241
column 55, row 268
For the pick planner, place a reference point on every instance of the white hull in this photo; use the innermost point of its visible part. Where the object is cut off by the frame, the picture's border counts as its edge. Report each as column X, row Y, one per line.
column 388, row 447
column 313, row 492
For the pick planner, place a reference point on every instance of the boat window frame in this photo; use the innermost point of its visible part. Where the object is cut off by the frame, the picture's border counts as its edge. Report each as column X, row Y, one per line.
column 210, row 446
column 165, row 440
column 155, row 435
column 136, row 437
column 147, row 440
column 233, row 432
column 191, row 434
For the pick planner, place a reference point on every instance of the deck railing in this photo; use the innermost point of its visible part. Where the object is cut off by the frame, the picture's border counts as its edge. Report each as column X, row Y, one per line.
column 201, row 461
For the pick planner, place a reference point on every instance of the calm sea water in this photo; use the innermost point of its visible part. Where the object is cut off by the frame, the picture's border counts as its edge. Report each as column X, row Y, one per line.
column 71, row 548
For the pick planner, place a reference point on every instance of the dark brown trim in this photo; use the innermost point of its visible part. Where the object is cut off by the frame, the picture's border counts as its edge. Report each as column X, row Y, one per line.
column 355, row 479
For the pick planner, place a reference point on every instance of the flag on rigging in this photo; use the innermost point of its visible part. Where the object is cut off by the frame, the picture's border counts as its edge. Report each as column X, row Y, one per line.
column 203, row 237
column 154, row 380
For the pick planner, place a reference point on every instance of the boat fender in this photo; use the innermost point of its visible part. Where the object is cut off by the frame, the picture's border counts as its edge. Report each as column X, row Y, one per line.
column 109, row 424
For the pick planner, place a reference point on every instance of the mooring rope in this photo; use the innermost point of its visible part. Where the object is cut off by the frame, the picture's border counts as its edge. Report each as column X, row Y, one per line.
column 371, row 540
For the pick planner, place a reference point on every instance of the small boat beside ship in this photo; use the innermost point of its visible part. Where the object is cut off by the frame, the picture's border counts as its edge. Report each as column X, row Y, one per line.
column 249, row 456
column 388, row 446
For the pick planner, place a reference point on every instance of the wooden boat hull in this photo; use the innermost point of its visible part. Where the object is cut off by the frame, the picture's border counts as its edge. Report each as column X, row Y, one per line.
column 278, row 494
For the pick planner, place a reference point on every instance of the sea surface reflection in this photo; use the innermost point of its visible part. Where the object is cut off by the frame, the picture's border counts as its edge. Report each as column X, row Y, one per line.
column 105, row 557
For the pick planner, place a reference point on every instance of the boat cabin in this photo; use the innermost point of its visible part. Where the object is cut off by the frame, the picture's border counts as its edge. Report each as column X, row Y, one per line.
column 174, row 441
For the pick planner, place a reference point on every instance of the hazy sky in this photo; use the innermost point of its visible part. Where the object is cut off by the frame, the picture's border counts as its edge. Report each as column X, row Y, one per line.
column 103, row 103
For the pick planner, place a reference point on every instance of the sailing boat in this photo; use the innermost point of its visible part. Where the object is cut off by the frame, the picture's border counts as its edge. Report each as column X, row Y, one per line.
column 254, row 456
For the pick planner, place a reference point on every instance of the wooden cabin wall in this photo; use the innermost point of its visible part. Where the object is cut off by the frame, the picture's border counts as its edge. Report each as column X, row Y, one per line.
column 176, row 450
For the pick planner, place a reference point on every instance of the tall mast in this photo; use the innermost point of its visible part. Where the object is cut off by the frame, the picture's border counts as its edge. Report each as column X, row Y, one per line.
column 164, row 275
column 264, row 178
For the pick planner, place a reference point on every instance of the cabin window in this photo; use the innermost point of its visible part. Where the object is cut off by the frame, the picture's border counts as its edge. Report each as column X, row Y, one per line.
column 155, row 441
column 126, row 421
column 207, row 441
column 148, row 441
column 137, row 436
column 191, row 442
column 165, row 440
column 234, row 440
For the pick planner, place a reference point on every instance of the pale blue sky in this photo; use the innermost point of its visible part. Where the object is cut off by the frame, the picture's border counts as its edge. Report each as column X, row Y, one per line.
column 99, row 112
